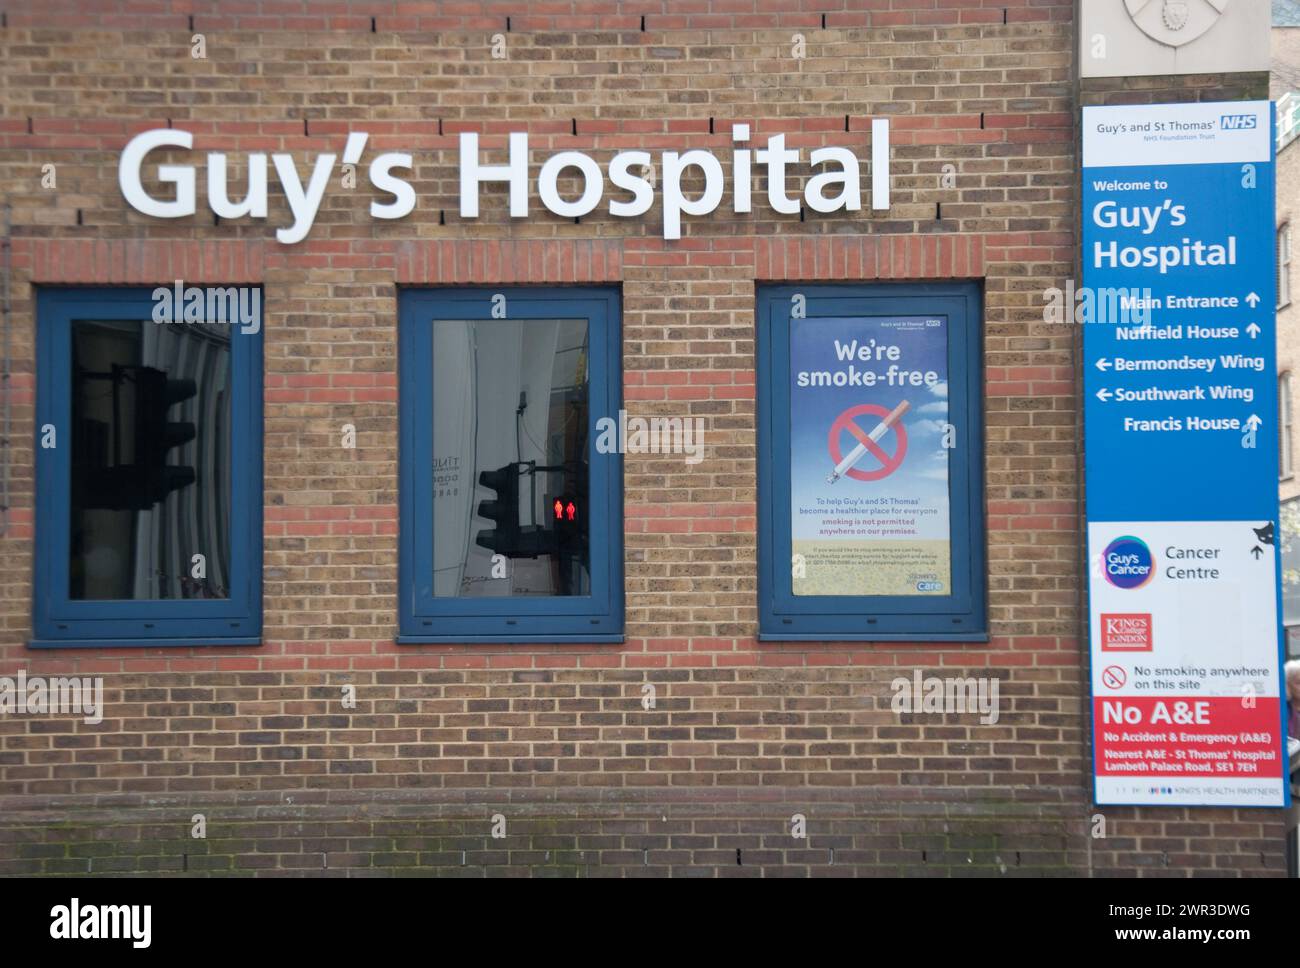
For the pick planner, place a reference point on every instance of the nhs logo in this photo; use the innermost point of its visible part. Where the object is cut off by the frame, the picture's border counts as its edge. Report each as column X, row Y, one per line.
column 1237, row 122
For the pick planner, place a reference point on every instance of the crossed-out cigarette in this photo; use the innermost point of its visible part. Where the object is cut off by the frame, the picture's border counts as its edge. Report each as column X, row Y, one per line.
column 856, row 453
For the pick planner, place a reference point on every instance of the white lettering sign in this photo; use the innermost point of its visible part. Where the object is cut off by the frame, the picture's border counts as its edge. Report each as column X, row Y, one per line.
column 693, row 181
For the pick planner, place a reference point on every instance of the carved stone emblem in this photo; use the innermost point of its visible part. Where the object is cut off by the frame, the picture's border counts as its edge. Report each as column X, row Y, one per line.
column 1175, row 22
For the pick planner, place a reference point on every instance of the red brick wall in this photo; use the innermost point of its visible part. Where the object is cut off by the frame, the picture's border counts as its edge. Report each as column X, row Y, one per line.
column 743, row 735
column 558, row 15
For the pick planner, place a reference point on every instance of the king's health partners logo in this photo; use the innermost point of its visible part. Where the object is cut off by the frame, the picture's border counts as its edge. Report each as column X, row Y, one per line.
column 1127, row 562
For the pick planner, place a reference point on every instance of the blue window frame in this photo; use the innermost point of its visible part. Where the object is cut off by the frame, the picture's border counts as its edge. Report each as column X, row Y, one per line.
column 148, row 469
column 889, row 545
column 511, row 514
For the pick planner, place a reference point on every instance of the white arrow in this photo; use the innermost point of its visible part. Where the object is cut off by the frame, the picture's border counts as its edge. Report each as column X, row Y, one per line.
column 1253, row 330
column 1103, row 365
column 1253, row 422
column 1103, row 395
column 1253, row 299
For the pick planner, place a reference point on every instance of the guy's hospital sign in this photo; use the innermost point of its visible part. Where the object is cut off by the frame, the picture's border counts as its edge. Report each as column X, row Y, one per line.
column 834, row 182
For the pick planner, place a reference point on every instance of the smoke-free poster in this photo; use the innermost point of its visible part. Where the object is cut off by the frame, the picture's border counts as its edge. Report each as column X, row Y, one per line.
column 869, row 449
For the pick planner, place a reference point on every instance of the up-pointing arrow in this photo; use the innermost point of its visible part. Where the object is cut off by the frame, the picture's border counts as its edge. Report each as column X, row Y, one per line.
column 1103, row 395
column 1253, row 299
column 1253, row 330
column 1103, row 364
column 1253, row 422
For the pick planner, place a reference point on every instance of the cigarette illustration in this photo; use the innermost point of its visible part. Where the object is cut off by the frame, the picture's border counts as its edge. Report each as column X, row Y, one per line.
column 856, row 453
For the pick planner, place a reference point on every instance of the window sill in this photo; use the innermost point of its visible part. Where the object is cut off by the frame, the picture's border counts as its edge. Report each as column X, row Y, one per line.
column 142, row 643
column 521, row 640
column 873, row 637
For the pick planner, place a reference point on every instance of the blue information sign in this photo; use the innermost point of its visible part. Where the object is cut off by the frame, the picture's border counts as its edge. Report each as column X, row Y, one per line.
column 1180, row 423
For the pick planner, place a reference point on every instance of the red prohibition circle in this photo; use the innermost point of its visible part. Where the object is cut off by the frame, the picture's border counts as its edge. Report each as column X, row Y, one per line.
column 888, row 462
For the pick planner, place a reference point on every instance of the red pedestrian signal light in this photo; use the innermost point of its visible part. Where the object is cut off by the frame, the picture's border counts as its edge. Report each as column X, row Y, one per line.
column 566, row 509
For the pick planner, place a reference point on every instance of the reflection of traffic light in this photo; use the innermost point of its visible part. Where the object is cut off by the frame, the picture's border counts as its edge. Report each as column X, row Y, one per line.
column 100, row 479
column 568, row 518
column 504, row 511
column 569, row 522
column 571, row 528
column 509, row 537
column 155, row 434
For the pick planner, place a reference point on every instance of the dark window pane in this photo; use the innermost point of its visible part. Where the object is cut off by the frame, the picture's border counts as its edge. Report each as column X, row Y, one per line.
column 150, row 460
column 510, row 462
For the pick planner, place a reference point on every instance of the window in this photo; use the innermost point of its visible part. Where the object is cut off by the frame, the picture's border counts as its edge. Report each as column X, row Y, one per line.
column 149, row 468
column 1285, row 467
column 1284, row 265
column 1288, row 117
column 1289, row 514
column 871, row 519
column 512, row 525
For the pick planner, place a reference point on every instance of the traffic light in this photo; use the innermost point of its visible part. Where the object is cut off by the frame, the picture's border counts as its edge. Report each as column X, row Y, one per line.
column 504, row 510
column 509, row 537
column 568, row 518
column 569, row 521
column 569, row 513
column 156, row 435
column 100, row 479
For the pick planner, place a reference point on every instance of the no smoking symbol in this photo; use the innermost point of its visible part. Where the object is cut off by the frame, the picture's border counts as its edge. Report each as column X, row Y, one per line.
column 888, row 462
column 1113, row 677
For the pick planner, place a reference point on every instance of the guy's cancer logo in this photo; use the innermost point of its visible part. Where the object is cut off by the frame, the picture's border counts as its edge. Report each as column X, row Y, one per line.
column 1127, row 562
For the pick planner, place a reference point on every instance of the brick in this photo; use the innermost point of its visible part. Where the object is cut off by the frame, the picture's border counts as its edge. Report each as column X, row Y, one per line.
column 742, row 732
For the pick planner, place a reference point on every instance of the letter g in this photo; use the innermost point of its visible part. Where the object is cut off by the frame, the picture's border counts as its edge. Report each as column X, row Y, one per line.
column 128, row 174
column 1105, row 219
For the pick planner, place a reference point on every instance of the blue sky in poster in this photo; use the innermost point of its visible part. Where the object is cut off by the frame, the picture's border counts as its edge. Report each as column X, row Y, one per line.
column 922, row 346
